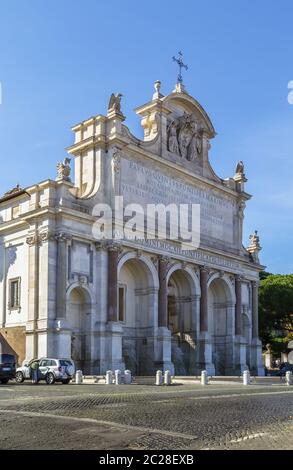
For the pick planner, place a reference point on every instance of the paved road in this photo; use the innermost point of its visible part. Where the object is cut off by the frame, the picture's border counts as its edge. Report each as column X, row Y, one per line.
column 219, row 416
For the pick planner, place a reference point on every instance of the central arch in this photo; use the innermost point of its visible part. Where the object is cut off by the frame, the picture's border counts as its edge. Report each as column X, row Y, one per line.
column 137, row 312
column 183, row 309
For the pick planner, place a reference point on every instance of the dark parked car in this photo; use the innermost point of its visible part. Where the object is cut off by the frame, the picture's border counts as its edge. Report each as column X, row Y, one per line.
column 284, row 367
column 7, row 367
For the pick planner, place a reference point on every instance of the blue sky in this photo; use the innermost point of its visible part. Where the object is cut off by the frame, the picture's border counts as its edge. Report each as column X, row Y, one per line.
column 60, row 61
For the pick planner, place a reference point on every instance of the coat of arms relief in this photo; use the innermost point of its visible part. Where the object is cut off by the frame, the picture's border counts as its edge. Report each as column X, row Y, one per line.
column 185, row 137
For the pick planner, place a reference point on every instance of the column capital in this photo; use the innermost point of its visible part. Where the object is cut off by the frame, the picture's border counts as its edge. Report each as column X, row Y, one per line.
column 101, row 245
column 40, row 236
column 114, row 247
column 62, row 237
column 32, row 240
column 204, row 268
column 45, row 235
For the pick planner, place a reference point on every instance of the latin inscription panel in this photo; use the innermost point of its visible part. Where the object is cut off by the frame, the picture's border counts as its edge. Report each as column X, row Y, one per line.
column 142, row 185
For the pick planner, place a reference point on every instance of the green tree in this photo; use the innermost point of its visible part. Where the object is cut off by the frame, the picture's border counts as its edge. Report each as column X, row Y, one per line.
column 275, row 309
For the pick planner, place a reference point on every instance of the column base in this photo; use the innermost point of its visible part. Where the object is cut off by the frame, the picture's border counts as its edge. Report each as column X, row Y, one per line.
column 163, row 350
column 205, row 354
column 113, row 359
column 257, row 367
column 240, row 364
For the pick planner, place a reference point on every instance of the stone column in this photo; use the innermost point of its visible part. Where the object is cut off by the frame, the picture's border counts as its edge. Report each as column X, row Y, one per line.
column 61, row 239
column 113, row 252
column 256, row 346
column 205, row 341
column 254, row 309
column 163, row 339
column 238, row 306
column 33, row 296
column 163, row 292
column 114, row 328
column 238, row 365
column 204, row 299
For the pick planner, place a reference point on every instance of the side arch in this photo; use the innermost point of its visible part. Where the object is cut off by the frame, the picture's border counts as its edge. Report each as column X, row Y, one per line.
column 229, row 287
column 154, row 278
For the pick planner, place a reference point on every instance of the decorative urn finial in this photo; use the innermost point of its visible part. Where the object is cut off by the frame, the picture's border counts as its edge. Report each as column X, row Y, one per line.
column 157, row 95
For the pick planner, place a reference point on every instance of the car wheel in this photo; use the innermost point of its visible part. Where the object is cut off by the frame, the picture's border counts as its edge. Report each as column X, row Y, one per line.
column 4, row 381
column 50, row 379
column 66, row 381
column 19, row 378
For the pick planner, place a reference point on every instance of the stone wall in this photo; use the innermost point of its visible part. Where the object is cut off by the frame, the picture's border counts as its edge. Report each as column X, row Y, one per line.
column 12, row 341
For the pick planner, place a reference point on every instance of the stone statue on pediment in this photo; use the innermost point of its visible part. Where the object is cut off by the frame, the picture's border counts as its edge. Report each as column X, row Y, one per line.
column 185, row 137
column 240, row 168
column 115, row 103
column 63, row 170
column 185, row 134
column 254, row 247
column 172, row 138
column 195, row 146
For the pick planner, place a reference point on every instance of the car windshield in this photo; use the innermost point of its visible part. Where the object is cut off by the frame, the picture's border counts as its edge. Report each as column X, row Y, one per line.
column 7, row 358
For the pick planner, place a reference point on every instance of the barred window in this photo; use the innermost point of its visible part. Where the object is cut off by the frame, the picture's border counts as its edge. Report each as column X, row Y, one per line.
column 14, row 293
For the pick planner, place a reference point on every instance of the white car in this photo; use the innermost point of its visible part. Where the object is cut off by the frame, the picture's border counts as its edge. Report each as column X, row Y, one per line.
column 50, row 369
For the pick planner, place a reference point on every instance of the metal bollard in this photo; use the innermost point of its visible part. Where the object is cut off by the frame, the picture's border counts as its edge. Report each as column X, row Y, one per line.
column 117, row 377
column 167, row 377
column 159, row 377
column 246, row 377
column 127, row 377
column 289, row 378
column 78, row 377
column 109, row 377
column 204, row 378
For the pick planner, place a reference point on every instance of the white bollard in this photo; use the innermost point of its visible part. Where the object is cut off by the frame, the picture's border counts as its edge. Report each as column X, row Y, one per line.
column 78, row 377
column 109, row 377
column 246, row 377
column 167, row 377
column 204, row 378
column 117, row 377
column 127, row 377
column 289, row 378
column 159, row 377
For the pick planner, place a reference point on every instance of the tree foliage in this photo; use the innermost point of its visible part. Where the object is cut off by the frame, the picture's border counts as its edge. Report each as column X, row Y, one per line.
column 275, row 306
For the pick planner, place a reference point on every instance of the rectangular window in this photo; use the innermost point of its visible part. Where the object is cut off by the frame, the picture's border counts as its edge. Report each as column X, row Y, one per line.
column 121, row 303
column 14, row 293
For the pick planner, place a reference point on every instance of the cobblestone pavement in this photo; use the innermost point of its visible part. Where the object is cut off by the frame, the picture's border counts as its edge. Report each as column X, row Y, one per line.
column 226, row 416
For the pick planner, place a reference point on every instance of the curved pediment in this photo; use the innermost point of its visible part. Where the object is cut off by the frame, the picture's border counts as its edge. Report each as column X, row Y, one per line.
column 182, row 103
